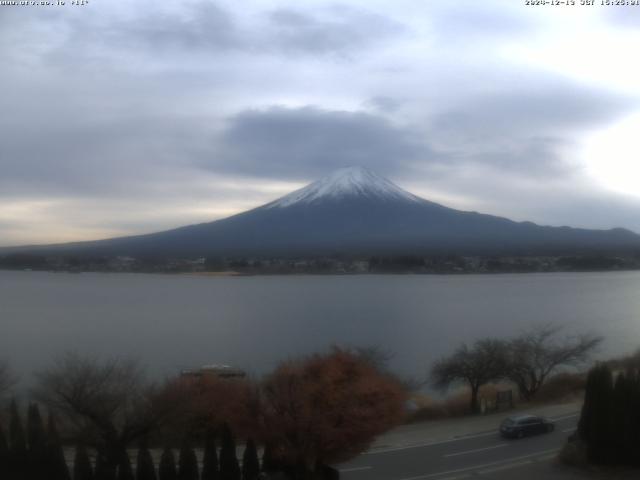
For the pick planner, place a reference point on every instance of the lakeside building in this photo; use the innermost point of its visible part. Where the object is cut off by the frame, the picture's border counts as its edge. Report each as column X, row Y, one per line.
column 213, row 371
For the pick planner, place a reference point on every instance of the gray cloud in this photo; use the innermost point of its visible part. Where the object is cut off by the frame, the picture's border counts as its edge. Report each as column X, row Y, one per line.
column 526, row 130
column 200, row 26
column 540, row 104
column 385, row 104
column 203, row 28
column 338, row 29
column 305, row 142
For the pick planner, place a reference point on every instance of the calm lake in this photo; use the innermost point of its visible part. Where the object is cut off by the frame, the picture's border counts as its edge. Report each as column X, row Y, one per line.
column 176, row 321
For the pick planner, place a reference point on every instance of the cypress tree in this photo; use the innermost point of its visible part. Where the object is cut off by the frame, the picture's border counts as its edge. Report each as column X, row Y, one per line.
column 37, row 444
column 634, row 422
column 103, row 470
column 586, row 413
column 250, row 462
column 18, row 460
column 229, row 468
column 82, row 465
column 596, row 417
column 4, row 455
column 167, row 470
column 57, row 464
column 268, row 462
column 145, row 469
column 125, row 472
column 621, row 413
column 210, row 468
column 188, row 463
column 17, row 440
column 329, row 473
column 35, row 431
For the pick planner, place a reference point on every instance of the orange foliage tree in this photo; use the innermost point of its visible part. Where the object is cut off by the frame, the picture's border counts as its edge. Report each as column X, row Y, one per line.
column 208, row 402
column 327, row 408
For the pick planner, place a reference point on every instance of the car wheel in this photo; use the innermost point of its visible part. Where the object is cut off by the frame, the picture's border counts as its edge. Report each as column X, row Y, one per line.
column 520, row 434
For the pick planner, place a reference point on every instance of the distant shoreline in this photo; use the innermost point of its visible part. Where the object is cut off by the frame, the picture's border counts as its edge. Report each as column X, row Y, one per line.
column 227, row 274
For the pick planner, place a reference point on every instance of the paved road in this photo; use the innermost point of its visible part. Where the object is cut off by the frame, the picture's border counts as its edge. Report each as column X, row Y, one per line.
column 481, row 454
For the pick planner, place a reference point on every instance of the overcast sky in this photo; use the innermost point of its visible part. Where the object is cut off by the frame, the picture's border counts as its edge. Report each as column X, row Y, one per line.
column 127, row 117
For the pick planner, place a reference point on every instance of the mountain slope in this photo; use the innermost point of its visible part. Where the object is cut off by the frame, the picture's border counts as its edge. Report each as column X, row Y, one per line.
column 355, row 211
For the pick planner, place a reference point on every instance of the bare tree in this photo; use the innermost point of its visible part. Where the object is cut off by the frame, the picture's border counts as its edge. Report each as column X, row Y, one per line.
column 537, row 353
column 107, row 400
column 7, row 379
column 485, row 361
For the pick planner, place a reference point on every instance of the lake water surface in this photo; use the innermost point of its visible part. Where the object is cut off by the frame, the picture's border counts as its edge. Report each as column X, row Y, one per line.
column 176, row 321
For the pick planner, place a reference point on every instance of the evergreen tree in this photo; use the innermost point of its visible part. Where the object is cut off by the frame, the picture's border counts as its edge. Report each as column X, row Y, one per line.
column 103, row 470
column 167, row 470
column 229, row 468
column 210, row 468
column 188, row 463
column 37, row 444
column 329, row 473
column 250, row 462
column 145, row 469
column 17, row 440
column 125, row 472
column 4, row 455
column 621, row 412
column 18, row 460
column 35, row 432
column 58, row 469
column 634, row 419
column 596, row 417
column 269, row 464
column 82, row 465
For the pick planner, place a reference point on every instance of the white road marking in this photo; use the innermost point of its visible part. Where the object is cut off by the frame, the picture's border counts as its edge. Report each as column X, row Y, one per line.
column 475, row 450
column 504, row 467
column 429, row 444
column 485, row 465
column 545, row 458
column 355, row 469
column 564, row 417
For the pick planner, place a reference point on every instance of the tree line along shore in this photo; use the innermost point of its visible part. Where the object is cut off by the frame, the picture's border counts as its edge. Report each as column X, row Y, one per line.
column 339, row 264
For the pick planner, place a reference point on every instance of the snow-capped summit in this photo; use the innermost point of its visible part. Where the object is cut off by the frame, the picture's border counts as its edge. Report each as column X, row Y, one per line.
column 344, row 183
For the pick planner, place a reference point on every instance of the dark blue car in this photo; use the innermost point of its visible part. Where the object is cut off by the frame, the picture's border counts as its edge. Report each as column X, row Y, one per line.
column 524, row 425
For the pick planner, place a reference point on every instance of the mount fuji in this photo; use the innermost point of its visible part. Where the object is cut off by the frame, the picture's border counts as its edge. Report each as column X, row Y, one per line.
column 355, row 211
